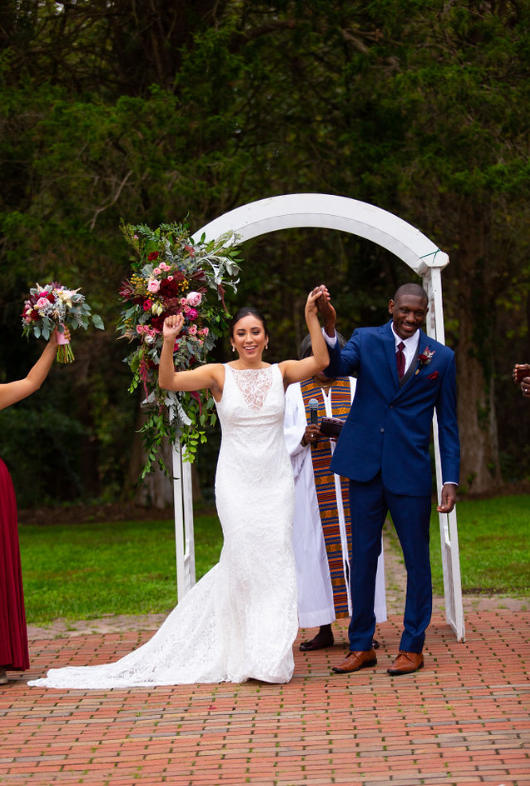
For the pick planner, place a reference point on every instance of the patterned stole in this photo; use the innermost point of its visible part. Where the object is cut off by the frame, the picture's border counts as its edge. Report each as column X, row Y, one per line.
column 325, row 488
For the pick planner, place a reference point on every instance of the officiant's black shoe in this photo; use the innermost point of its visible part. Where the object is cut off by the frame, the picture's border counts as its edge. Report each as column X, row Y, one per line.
column 319, row 642
column 375, row 644
column 355, row 661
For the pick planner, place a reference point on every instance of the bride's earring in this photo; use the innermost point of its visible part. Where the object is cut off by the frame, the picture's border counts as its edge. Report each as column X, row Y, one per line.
column 267, row 345
column 233, row 348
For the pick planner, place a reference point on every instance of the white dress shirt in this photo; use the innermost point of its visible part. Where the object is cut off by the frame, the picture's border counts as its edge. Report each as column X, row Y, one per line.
column 411, row 345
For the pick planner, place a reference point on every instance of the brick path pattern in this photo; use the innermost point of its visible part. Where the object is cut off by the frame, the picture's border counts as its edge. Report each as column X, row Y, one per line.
column 464, row 719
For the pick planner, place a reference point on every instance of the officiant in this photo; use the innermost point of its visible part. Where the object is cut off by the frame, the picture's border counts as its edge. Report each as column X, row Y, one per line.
column 321, row 529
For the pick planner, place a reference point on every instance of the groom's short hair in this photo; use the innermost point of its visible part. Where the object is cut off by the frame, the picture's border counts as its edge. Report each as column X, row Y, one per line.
column 411, row 289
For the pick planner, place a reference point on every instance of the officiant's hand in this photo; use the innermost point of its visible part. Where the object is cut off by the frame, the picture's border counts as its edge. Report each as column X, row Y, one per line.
column 172, row 327
column 312, row 434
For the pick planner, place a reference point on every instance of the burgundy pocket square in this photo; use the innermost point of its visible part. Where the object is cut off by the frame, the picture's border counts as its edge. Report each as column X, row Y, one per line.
column 434, row 375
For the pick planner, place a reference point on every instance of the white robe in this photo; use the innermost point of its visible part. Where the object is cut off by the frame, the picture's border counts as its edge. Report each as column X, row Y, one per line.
column 315, row 593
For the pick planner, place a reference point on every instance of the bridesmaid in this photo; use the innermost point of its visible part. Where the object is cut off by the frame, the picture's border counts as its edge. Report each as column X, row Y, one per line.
column 14, row 653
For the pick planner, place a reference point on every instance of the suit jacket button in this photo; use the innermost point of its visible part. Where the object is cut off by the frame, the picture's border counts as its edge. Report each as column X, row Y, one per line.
column 381, row 430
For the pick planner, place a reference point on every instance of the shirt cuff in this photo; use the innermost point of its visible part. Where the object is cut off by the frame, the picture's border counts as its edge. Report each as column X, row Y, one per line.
column 330, row 340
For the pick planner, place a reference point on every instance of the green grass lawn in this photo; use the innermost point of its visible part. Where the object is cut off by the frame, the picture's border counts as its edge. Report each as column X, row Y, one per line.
column 494, row 540
column 83, row 571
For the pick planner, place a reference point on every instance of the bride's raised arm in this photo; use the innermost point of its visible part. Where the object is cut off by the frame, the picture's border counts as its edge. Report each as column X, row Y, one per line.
column 297, row 370
column 210, row 376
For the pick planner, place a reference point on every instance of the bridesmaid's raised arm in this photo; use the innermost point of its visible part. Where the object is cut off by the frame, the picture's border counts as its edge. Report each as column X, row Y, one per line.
column 11, row 392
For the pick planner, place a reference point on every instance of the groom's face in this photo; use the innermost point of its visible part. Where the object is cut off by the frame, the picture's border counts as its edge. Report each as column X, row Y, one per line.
column 408, row 314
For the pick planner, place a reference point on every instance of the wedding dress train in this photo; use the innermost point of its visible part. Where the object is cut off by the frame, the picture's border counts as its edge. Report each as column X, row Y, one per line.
column 239, row 621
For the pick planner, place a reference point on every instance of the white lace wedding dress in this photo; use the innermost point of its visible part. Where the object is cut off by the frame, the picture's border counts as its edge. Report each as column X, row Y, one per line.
column 240, row 620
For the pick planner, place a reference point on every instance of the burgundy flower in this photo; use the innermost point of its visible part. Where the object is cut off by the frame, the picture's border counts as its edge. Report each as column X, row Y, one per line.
column 192, row 314
column 126, row 290
column 157, row 323
column 169, row 288
column 147, row 305
column 153, row 255
column 426, row 356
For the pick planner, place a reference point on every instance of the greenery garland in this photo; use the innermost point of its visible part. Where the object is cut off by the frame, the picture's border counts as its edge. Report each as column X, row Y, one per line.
column 172, row 274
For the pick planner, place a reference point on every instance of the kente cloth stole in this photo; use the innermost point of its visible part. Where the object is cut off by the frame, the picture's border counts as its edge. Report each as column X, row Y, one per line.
column 325, row 486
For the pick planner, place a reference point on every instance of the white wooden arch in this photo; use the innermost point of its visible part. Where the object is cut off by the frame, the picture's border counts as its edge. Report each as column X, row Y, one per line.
column 413, row 248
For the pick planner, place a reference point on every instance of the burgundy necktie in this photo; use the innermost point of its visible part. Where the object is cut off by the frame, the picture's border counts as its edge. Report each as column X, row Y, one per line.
column 400, row 358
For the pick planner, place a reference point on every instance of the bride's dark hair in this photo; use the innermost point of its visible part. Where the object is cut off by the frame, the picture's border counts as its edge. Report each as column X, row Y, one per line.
column 246, row 311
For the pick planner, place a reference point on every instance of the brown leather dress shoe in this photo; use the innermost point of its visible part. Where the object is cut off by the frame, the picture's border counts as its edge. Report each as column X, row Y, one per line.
column 406, row 663
column 355, row 661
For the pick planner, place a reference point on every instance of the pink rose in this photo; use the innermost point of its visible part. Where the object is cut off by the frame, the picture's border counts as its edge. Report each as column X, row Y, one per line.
column 183, row 301
column 153, row 285
column 192, row 330
column 170, row 278
column 194, row 298
column 204, row 331
column 192, row 313
column 157, row 271
column 42, row 302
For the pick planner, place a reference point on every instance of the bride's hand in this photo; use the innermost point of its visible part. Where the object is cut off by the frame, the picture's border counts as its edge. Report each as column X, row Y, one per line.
column 311, row 303
column 172, row 326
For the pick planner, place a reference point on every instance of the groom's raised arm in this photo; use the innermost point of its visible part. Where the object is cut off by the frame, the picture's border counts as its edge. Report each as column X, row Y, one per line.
column 341, row 363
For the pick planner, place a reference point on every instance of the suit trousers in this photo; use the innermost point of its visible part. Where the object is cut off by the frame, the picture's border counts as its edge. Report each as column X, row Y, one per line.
column 369, row 504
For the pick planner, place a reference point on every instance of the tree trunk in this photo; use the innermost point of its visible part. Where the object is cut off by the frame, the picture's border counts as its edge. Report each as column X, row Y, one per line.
column 157, row 488
column 476, row 337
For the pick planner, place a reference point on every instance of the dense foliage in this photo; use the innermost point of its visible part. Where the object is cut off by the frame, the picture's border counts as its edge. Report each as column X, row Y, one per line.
column 151, row 112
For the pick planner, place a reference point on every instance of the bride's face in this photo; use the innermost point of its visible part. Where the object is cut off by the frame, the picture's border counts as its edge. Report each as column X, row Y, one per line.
column 249, row 337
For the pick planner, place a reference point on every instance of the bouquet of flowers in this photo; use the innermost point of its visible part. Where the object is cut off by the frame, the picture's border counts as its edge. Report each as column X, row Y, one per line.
column 54, row 306
column 172, row 274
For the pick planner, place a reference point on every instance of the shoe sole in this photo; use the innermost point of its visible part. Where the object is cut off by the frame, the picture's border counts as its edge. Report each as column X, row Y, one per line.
column 365, row 665
column 401, row 673
column 314, row 649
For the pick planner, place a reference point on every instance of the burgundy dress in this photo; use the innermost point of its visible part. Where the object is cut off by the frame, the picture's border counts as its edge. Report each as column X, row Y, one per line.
column 14, row 653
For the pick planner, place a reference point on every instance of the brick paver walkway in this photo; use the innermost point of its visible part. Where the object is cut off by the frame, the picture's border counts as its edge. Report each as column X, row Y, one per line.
column 464, row 719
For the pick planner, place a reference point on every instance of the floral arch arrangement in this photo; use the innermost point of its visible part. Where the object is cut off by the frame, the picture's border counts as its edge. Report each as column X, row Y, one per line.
column 173, row 274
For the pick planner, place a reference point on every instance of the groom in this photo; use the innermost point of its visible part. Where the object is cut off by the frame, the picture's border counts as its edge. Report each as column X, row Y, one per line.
column 402, row 377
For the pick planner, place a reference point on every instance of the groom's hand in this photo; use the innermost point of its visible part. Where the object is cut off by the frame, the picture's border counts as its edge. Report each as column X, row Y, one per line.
column 329, row 315
column 448, row 498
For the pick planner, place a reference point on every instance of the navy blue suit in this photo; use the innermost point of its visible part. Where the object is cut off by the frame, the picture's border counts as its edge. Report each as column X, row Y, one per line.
column 384, row 450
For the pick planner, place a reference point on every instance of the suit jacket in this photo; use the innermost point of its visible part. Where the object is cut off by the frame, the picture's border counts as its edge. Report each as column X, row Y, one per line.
column 388, row 428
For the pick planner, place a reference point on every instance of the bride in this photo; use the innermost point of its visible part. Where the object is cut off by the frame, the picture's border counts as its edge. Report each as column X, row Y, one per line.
column 239, row 621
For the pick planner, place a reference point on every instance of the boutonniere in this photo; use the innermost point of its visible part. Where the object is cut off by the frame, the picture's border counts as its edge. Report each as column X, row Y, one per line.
column 425, row 358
